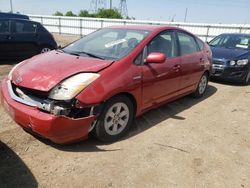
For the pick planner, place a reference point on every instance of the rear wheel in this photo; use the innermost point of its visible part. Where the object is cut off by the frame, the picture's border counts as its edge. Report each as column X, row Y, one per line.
column 115, row 120
column 45, row 49
column 202, row 86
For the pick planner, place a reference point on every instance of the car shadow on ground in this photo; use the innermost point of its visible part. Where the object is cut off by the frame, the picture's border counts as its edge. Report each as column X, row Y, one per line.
column 141, row 124
column 9, row 62
column 13, row 171
column 167, row 111
column 230, row 83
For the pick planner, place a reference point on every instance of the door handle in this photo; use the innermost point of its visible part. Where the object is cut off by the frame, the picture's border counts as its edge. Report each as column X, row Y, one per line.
column 8, row 37
column 137, row 77
column 176, row 68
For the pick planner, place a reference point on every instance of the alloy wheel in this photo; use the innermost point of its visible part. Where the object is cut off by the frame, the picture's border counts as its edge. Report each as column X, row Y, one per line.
column 203, row 84
column 116, row 118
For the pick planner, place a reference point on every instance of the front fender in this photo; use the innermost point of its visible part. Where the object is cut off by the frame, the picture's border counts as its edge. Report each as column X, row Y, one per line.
column 114, row 80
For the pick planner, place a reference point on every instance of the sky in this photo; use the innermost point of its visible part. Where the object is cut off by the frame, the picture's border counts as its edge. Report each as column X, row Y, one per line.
column 198, row 11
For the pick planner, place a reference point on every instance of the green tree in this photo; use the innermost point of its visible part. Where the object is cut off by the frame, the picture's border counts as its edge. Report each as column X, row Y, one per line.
column 102, row 13
column 57, row 13
column 70, row 13
column 84, row 13
column 109, row 13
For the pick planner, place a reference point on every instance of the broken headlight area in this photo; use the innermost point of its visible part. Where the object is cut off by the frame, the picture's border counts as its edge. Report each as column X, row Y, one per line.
column 69, row 108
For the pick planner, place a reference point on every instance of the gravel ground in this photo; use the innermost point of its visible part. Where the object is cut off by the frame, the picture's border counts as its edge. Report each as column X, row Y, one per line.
column 187, row 143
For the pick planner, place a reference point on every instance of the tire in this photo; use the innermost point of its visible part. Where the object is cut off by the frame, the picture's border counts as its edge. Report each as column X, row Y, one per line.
column 115, row 120
column 44, row 49
column 247, row 79
column 202, row 86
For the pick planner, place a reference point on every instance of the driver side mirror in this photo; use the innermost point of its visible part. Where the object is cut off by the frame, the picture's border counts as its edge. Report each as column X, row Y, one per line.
column 156, row 57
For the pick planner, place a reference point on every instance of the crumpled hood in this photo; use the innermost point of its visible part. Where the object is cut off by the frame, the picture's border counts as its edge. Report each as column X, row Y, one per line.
column 229, row 54
column 45, row 71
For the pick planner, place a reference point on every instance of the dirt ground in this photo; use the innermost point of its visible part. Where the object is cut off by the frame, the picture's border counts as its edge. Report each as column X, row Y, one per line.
column 187, row 143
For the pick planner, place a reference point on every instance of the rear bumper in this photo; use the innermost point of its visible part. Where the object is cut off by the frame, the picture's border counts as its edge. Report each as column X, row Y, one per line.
column 59, row 129
column 230, row 73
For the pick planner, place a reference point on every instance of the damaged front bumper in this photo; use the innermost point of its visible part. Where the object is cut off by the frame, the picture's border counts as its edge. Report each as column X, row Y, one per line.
column 32, row 114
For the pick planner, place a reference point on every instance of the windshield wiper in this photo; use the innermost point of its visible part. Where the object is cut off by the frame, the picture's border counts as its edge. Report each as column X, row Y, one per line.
column 92, row 55
column 74, row 53
column 60, row 50
column 78, row 53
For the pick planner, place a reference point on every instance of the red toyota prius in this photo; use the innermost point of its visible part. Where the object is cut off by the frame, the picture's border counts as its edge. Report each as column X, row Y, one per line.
column 101, row 82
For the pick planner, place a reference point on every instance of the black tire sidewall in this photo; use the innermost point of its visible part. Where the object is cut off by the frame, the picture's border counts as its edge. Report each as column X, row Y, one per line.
column 247, row 79
column 99, row 130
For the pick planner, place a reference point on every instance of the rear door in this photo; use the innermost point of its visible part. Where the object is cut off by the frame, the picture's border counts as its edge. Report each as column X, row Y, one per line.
column 6, row 46
column 25, row 38
column 161, row 81
column 192, row 61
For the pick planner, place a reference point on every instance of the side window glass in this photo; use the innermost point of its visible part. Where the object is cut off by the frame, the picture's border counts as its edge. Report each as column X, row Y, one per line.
column 4, row 26
column 25, row 27
column 187, row 44
column 138, row 59
column 163, row 43
column 200, row 44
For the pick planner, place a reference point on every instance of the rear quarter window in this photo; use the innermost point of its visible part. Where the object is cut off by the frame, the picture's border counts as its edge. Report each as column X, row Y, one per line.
column 200, row 43
column 25, row 27
column 41, row 29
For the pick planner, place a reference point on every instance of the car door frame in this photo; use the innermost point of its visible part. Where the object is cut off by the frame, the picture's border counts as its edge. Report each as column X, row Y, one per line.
column 31, row 43
column 191, row 72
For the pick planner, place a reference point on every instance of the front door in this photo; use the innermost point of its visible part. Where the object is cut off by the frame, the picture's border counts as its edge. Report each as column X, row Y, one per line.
column 161, row 81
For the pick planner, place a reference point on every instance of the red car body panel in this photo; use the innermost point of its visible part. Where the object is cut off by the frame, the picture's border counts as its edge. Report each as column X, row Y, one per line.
column 149, row 85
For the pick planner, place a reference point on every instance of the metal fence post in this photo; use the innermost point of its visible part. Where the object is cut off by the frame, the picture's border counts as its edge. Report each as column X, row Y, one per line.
column 240, row 29
column 101, row 23
column 60, row 31
column 80, row 26
column 207, row 35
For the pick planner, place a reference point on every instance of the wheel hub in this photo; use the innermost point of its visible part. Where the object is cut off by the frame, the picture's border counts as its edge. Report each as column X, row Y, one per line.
column 116, row 118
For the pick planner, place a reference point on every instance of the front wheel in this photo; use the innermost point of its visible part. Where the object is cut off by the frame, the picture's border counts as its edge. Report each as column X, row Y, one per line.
column 115, row 120
column 202, row 86
column 246, row 81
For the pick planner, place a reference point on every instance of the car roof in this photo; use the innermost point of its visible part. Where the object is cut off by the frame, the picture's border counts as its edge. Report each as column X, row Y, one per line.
column 20, row 19
column 237, row 34
column 145, row 27
column 4, row 15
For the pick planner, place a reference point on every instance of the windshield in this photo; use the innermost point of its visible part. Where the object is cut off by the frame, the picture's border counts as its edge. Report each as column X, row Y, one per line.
column 110, row 44
column 231, row 41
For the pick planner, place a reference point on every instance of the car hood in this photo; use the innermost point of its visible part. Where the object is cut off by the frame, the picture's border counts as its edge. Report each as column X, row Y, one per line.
column 45, row 71
column 229, row 54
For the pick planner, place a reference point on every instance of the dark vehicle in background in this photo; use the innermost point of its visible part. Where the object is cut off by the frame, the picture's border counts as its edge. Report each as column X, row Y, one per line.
column 231, row 57
column 21, row 39
column 12, row 15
